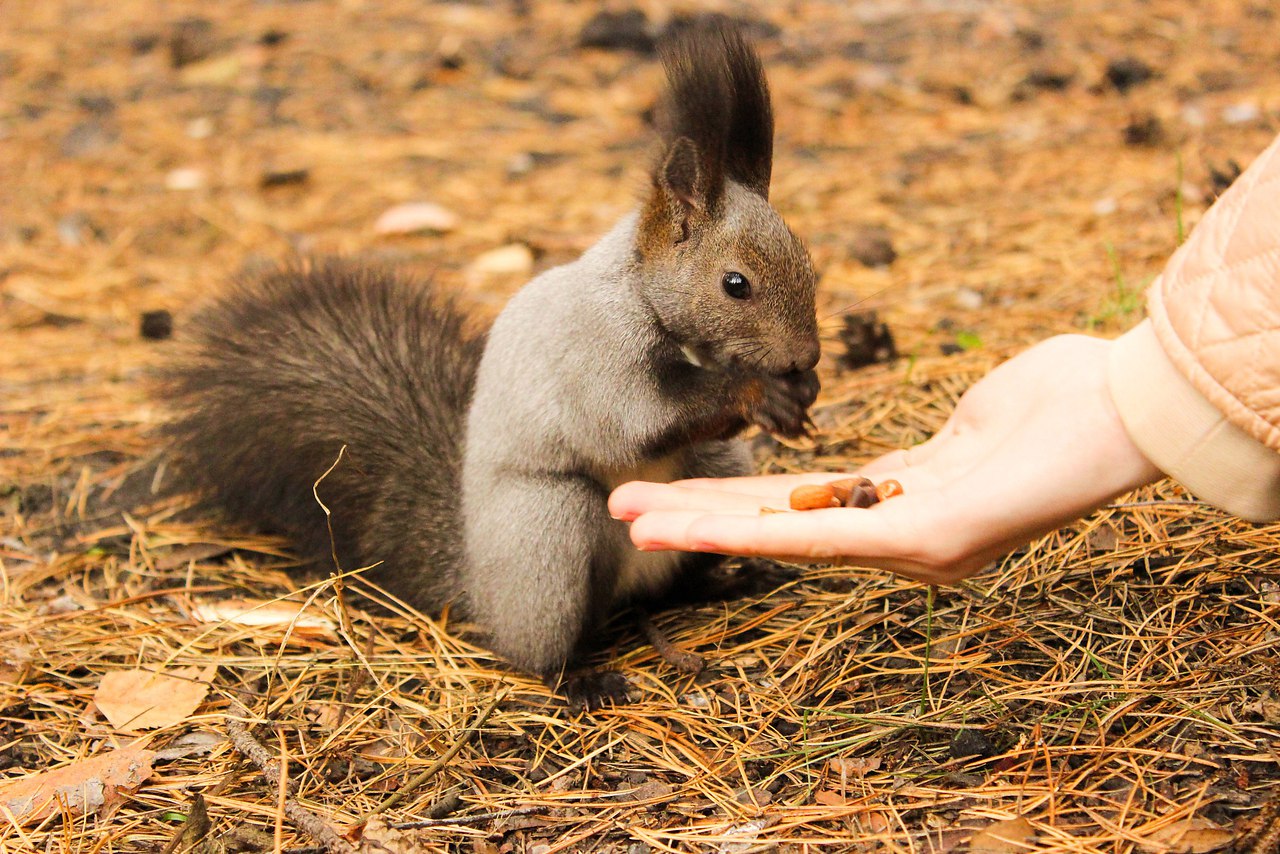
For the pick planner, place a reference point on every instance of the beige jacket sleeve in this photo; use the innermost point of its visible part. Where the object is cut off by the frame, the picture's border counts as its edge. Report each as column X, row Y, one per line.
column 1198, row 382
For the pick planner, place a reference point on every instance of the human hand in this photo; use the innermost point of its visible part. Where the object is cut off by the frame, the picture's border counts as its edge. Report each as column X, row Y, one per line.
column 1033, row 445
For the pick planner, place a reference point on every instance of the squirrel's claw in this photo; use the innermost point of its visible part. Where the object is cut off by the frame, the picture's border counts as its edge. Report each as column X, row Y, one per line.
column 780, row 405
column 589, row 690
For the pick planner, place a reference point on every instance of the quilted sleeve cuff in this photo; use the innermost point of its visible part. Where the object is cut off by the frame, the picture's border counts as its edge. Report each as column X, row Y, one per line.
column 1186, row 436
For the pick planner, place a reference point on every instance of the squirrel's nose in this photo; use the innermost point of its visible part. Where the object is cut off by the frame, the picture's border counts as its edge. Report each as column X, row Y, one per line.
column 807, row 358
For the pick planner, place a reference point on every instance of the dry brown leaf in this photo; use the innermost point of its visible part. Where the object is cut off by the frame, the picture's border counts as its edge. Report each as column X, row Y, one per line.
column 828, row 798
column 380, row 838
column 1003, row 837
column 146, row 699
column 85, row 786
column 1194, row 835
column 853, row 767
column 415, row 217
column 263, row 612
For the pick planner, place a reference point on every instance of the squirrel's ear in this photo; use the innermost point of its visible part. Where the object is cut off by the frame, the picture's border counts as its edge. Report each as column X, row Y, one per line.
column 681, row 198
column 682, row 177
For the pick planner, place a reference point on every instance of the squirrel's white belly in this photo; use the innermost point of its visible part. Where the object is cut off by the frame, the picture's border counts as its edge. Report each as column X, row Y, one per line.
column 644, row 572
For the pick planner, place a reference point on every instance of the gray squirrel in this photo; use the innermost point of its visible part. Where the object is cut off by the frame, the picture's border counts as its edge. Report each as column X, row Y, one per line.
column 476, row 466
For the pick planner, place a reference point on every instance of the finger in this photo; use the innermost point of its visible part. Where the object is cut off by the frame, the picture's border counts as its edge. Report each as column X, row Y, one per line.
column 815, row 535
column 633, row 499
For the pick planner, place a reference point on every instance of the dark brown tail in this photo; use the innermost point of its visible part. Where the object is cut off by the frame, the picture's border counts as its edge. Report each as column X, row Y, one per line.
column 295, row 367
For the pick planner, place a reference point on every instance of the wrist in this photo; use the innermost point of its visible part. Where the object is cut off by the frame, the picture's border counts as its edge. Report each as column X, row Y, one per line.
column 1186, row 436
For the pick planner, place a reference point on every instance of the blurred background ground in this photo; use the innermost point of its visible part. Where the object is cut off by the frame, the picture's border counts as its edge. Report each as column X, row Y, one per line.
column 982, row 174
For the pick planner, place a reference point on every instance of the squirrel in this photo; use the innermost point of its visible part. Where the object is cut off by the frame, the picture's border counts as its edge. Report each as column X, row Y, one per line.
column 476, row 464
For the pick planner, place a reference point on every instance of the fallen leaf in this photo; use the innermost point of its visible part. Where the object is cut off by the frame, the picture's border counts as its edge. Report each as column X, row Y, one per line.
column 85, row 785
column 1003, row 837
column 263, row 612
column 379, row 837
column 828, row 798
column 217, row 71
column 512, row 259
column 1193, row 835
column 652, row 790
column 147, row 699
column 414, row 217
column 854, row 767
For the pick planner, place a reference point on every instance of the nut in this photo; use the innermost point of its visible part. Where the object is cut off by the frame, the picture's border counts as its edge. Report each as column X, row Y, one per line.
column 814, row 496
column 844, row 488
column 888, row 489
column 863, row 497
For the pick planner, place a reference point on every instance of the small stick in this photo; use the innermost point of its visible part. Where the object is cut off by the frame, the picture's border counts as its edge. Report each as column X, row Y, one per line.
column 463, row 819
column 435, row 767
column 685, row 662
column 306, row 821
column 357, row 679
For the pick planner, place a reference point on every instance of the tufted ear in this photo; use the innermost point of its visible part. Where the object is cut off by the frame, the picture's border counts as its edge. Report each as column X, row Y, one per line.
column 683, row 178
column 681, row 199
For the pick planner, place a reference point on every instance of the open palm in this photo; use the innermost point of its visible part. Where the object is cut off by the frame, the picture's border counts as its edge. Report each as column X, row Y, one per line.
column 1033, row 445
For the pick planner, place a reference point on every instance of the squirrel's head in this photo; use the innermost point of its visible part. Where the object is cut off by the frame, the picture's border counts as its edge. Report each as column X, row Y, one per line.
column 726, row 277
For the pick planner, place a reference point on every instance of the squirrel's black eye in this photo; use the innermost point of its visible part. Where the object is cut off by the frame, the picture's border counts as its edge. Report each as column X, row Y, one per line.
column 736, row 285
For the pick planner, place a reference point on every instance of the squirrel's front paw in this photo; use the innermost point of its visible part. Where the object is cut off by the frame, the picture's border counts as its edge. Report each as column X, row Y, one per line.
column 589, row 690
column 780, row 404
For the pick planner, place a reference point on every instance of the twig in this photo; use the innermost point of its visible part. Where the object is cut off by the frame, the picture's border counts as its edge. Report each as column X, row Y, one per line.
column 357, row 679
column 306, row 821
column 435, row 767
column 463, row 819
column 682, row 660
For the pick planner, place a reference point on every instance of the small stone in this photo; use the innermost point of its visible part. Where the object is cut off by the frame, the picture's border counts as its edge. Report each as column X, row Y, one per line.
column 1242, row 113
column 156, row 325
column 184, row 179
column 190, row 40
column 217, row 71
column 971, row 742
column 968, row 298
column 520, row 164
column 1105, row 206
column 873, row 248
column 200, row 128
column 74, row 229
column 1128, row 72
column 1192, row 116
column 950, row 348
column 416, row 217
column 510, row 260
column 625, row 30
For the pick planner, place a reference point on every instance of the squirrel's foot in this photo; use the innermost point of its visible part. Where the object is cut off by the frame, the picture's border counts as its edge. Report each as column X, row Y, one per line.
column 588, row 690
column 780, row 404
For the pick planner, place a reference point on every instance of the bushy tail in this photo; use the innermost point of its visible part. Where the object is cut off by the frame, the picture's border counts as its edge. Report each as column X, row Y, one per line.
column 292, row 367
